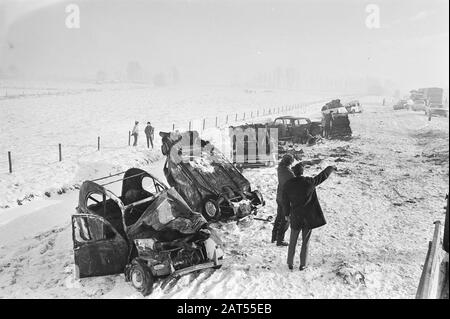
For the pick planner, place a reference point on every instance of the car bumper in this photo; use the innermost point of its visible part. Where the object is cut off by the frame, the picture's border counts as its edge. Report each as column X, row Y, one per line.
column 185, row 271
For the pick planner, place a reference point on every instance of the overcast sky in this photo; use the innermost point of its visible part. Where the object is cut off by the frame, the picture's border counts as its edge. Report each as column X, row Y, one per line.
column 225, row 39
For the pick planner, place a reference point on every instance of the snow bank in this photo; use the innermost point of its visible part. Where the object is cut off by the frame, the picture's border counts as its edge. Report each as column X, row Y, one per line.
column 60, row 177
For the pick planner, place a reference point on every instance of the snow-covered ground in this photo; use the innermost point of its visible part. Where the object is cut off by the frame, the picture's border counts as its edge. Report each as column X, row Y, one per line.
column 31, row 127
column 380, row 206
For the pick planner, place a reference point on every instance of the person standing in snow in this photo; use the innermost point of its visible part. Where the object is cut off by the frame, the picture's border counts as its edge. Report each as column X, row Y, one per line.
column 135, row 132
column 149, row 133
column 280, row 225
column 303, row 211
column 323, row 122
column 326, row 124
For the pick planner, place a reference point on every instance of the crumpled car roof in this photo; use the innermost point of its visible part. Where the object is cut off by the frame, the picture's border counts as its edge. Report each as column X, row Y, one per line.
column 168, row 210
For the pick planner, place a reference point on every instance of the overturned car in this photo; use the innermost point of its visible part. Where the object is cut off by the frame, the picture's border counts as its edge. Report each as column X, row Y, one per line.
column 206, row 179
column 147, row 232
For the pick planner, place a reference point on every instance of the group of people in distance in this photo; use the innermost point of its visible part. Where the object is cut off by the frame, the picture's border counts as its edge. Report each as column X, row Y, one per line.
column 298, row 207
column 149, row 133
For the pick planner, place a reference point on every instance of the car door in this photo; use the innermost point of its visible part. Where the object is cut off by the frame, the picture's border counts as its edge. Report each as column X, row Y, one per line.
column 98, row 248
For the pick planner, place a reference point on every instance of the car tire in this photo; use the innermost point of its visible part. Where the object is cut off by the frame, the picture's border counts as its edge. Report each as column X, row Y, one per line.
column 140, row 277
column 211, row 209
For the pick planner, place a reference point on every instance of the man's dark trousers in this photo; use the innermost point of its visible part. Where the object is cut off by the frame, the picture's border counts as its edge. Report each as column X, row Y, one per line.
column 149, row 141
column 306, row 235
column 280, row 225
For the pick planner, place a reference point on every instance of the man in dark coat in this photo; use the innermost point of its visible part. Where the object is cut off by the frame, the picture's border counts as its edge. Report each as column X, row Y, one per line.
column 301, row 205
column 149, row 133
column 280, row 226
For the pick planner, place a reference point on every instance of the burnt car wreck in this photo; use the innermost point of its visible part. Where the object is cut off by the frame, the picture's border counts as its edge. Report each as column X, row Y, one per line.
column 336, row 120
column 206, row 179
column 147, row 232
column 253, row 145
column 297, row 129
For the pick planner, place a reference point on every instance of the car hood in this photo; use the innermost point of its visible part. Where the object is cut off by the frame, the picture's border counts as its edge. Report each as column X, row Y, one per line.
column 168, row 211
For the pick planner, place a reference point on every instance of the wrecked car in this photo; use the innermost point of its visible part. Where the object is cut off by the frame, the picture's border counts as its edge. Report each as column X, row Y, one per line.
column 340, row 126
column 353, row 107
column 297, row 129
column 147, row 232
column 252, row 146
column 340, row 122
column 206, row 179
column 333, row 105
column 401, row 105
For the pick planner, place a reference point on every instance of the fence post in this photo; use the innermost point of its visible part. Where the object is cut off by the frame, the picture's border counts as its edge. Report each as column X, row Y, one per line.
column 257, row 113
column 129, row 138
column 190, row 125
column 227, row 119
column 203, row 124
column 216, row 121
column 60, row 153
column 251, row 114
column 98, row 143
column 235, row 117
column 244, row 116
column 173, row 127
column 10, row 162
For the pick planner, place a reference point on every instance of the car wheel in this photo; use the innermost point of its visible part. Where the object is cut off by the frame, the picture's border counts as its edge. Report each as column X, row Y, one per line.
column 141, row 277
column 211, row 209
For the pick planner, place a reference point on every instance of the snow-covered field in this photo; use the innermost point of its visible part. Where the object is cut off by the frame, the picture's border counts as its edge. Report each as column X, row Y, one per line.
column 31, row 127
column 380, row 206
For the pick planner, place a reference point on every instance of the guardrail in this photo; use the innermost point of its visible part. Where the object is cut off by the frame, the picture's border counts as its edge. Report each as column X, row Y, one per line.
column 432, row 280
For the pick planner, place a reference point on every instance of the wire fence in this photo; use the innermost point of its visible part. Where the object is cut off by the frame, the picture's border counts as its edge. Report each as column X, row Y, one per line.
column 52, row 154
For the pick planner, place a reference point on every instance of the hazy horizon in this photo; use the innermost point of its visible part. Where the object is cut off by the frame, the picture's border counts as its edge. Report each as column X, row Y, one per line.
column 222, row 42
